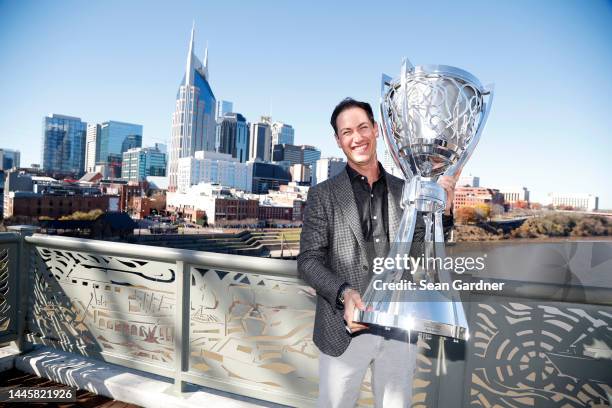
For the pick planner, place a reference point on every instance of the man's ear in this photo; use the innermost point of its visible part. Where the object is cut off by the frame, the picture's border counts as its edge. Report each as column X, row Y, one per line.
column 376, row 128
column 337, row 140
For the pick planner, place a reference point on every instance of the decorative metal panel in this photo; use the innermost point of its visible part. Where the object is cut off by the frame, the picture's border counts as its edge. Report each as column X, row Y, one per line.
column 526, row 354
column 8, row 291
column 253, row 329
column 92, row 303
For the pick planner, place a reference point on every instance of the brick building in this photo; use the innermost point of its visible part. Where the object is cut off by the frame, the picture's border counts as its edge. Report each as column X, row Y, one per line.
column 275, row 212
column 471, row 196
column 142, row 207
column 38, row 205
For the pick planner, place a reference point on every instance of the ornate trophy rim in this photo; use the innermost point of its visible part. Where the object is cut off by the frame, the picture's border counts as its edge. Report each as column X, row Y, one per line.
column 409, row 167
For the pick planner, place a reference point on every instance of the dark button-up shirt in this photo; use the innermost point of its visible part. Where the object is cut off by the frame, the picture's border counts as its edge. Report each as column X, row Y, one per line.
column 372, row 204
column 373, row 207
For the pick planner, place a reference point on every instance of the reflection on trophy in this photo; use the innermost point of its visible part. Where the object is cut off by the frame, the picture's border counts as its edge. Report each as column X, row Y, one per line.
column 432, row 118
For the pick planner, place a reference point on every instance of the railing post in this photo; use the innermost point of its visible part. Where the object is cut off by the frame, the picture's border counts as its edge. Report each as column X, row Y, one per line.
column 181, row 328
column 23, row 283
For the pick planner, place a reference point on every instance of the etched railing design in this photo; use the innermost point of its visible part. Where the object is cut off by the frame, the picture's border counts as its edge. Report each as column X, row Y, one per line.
column 244, row 324
column 9, row 267
column 241, row 324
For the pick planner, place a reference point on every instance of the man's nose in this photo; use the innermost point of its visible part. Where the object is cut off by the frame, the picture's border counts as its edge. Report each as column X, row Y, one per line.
column 358, row 137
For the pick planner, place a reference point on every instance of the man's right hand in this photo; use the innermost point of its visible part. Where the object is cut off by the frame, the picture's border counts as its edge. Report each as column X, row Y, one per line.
column 352, row 300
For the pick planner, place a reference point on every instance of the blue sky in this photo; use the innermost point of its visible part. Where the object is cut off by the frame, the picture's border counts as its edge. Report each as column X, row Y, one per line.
column 551, row 61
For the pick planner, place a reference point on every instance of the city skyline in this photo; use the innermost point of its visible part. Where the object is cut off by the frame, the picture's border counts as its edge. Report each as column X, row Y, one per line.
column 540, row 121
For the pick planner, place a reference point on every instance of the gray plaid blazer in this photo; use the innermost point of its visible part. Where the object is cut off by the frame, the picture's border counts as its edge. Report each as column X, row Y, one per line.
column 333, row 251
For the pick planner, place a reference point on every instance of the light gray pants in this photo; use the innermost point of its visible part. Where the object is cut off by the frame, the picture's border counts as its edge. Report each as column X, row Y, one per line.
column 393, row 360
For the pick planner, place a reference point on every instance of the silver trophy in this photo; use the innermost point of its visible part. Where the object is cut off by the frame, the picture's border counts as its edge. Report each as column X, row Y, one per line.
column 432, row 117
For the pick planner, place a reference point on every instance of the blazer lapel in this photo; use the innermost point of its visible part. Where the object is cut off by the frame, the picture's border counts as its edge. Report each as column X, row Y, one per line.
column 345, row 201
column 394, row 198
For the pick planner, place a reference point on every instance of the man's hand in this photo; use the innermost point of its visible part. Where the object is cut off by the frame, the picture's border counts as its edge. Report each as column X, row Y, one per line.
column 448, row 183
column 352, row 300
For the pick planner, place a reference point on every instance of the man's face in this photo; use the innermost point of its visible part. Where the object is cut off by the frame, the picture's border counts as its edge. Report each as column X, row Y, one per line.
column 357, row 136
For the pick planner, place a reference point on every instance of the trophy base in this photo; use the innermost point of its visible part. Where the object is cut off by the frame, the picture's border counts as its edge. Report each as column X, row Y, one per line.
column 412, row 324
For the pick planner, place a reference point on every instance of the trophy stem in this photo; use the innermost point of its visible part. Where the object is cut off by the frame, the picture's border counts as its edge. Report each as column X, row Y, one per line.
column 426, row 311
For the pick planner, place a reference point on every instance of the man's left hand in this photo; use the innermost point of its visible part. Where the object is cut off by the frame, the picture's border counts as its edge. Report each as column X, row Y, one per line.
column 448, row 183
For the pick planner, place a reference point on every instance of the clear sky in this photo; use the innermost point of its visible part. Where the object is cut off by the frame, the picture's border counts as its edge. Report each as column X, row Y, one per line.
column 551, row 61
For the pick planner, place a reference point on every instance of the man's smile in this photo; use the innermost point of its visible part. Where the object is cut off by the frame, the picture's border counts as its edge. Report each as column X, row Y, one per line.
column 361, row 148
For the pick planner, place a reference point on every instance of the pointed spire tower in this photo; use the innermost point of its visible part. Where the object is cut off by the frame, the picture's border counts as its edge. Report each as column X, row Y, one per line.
column 205, row 63
column 193, row 121
column 190, row 59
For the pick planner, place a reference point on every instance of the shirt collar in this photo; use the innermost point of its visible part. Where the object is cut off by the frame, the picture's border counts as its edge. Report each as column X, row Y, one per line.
column 352, row 173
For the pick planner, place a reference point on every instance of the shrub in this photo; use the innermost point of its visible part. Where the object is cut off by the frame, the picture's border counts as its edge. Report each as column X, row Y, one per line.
column 83, row 216
column 564, row 225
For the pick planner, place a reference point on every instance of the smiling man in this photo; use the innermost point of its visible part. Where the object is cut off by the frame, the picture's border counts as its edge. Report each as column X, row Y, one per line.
column 349, row 221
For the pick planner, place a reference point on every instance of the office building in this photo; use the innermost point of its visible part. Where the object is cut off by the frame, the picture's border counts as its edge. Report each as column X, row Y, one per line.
column 234, row 136
column 260, row 141
column 304, row 154
column 32, row 195
column 31, row 204
column 193, row 120
column 213, row 167
column 140, row 162
column 268, row 176
column 471, row 196
column 584, row 202
column 512, row 195
column 310, row 155
column 91, row 147
column 9, row 159
column 282, row 133
column 327, row 168
column 63, row 149
column 287, row 153
column 300, row 173
column 215, row 203
column 468, row 181
column 116, row 138
column 223, row 108
column 162, row 147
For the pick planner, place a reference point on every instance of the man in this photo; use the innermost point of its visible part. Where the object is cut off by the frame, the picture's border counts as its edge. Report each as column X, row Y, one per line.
column 350, row 219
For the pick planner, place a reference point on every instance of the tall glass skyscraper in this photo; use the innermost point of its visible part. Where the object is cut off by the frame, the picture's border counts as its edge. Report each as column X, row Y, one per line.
column 63, row 144
column 115, row 139
column 223, row 108
column 92, row 146
column 282, row 133
column 310, row 155
column 193, row 120
column 234, row 136
column 9, row 159
column 260, row 142
column 141, row 162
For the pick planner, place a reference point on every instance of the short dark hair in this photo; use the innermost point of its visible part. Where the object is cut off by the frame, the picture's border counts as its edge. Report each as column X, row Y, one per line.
column 348, row 103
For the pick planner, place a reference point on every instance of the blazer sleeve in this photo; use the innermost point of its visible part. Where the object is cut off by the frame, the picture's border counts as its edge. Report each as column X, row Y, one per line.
column 314, row 253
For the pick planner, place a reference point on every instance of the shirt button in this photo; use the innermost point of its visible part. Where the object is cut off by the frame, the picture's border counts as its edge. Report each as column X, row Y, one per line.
column 377, row 240
column 372, row 195
column 374, row 217
column 363, row 178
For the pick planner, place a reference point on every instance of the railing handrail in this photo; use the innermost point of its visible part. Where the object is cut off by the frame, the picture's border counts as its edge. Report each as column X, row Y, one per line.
column 238, row 263
column 9, row 237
